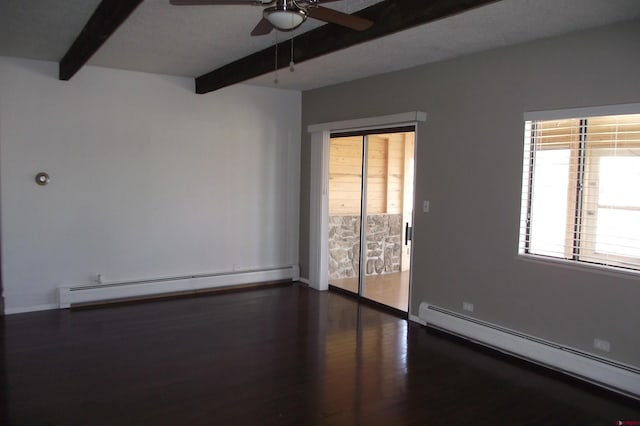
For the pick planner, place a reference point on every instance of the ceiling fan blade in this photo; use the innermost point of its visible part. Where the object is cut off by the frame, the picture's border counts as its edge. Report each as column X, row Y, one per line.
column 216, row 2
column 264, row 27
column 339, row 18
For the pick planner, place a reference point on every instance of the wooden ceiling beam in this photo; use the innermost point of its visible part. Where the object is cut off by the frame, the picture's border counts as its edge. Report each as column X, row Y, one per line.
column 389, row 16
column 108, row 16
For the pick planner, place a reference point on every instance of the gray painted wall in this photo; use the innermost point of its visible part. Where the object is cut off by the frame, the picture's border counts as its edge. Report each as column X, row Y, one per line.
column 469, row 166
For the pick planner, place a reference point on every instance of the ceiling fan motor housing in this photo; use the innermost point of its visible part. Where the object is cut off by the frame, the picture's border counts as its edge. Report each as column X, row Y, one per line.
column 286, row 15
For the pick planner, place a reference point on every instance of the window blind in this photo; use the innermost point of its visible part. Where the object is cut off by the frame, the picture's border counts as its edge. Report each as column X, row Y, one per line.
column 581, row 189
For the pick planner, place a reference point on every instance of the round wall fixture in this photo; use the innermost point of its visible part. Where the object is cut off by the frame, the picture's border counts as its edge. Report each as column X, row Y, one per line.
column 42, row 178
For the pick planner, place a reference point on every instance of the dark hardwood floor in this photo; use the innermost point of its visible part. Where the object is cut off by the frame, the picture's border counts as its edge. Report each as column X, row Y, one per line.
column 286, row 355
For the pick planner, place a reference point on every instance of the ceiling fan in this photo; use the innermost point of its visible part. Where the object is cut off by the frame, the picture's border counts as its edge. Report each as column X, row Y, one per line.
column 286, row 15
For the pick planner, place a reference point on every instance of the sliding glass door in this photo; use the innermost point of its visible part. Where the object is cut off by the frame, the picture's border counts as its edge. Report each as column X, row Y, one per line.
column 370, row 214
column 345, row 206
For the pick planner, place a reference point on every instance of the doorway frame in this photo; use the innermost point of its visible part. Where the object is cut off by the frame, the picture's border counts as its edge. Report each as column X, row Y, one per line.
column 319, row 182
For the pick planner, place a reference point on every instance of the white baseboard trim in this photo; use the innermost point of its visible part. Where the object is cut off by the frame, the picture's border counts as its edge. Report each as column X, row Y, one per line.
column 296, row 273
column 610, row 374
column 24, row 309
column 123, row 290
column 303, row 280
column 417, row 319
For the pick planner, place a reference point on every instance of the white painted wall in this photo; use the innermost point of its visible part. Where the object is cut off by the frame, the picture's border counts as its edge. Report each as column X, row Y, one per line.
column 147, row 179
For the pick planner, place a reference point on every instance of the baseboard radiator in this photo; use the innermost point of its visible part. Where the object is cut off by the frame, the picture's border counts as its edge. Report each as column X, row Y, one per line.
column 70, row 295
column 621, row 378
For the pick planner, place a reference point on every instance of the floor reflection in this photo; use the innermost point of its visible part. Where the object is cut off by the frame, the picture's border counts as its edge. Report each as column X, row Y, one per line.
column 278, row 356
column 365, row 363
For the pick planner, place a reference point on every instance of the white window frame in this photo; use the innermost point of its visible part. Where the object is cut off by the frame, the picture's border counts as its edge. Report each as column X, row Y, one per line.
column 615, row 264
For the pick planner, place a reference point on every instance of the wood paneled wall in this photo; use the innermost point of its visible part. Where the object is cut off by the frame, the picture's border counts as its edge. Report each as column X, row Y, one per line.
column 385, row 184
column 345, row 175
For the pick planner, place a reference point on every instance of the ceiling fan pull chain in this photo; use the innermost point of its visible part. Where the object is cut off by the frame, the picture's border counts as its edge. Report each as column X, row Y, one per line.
column 291, row 63
column 275, row 80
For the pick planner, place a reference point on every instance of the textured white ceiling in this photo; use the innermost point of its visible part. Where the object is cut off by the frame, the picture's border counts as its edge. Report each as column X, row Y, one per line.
column 42, row 29
column 193, row 40
column 504, row 23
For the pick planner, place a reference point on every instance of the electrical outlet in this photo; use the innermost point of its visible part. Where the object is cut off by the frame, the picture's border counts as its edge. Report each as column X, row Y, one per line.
column 467, row 306
column 425, row 206
column 603, row 345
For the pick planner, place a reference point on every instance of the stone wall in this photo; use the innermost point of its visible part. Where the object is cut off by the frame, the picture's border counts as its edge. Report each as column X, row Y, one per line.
column 384, row 245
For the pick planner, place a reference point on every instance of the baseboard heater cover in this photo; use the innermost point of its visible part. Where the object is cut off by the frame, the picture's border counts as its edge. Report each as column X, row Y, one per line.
column 615, row 376
column 69, row 295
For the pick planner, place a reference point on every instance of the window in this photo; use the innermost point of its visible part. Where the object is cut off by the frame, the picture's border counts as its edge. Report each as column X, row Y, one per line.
column 581, row 189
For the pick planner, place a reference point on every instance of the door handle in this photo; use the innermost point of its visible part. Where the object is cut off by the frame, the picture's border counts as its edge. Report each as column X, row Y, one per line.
column 408, row 233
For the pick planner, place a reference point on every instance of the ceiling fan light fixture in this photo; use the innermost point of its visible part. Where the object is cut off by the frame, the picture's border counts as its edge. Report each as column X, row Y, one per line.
column 285, row 20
